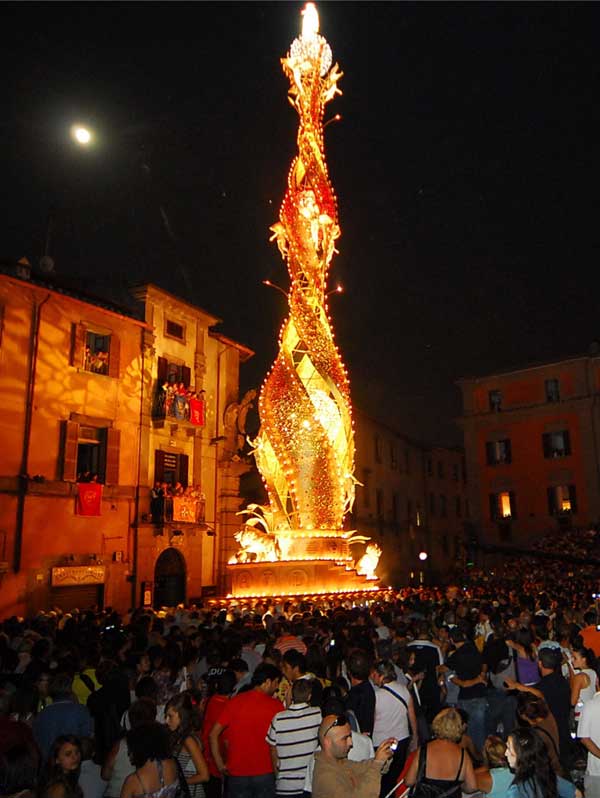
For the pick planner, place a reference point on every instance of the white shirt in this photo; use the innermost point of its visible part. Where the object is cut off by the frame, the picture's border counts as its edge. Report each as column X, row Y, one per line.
column 391, row 715
column 589, row 726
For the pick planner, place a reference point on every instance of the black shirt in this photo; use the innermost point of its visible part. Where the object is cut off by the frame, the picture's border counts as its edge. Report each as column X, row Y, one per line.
column 361, row 700
column 466, row 662
column 555, row 690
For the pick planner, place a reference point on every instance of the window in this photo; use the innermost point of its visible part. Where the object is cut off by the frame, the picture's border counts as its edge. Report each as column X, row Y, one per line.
column 396, row 511
column 171, row 467
column 440, row 470
column 94, row 350
column 495, row 399
column 467, row 509
column 556, row 444
column 445, row 548
column 377, row 442
column 175, row 330
column 562, row 499
column 432, row 503
column 464, row 470
column 409, row 510
column 429, row 466
column 393, row 456
column 407, row 460
column 418, row 514
column 458, row 506
column 498, row 452
column 443, row 506
column 455, row 472
column 502, row 505
column 169, row 376
column 90, row 452
column 552, row 388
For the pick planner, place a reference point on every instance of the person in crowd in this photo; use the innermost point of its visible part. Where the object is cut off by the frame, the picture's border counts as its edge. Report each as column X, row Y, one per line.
column 494, row 777
column 442, row 762
column 534, row 776
column 108, row 704
column 583, row 678
column 242, row 674
column 187, row 747
column 117, row 765
column 155, row 771
column 224, row 688
column 19, row 771
column 63, row 716
column 85, row 681
column 589, row 733
column 532, row 711
column 361, row 698
column 428, row 659
column 395, row 717
column 292, row 740
column 335, row 776
column 246, row 720
column 90, row 776
column 467, row 664
column 522, row 643
column 290, row 638
column 62, row 773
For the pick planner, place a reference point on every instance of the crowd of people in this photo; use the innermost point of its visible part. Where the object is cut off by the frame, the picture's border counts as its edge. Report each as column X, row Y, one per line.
column 489, row 687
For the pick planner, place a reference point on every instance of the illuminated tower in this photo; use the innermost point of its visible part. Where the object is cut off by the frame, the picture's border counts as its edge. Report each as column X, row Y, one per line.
column 305, row 447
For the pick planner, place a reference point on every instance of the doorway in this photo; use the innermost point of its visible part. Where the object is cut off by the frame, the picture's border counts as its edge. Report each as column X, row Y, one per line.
column 169, row 579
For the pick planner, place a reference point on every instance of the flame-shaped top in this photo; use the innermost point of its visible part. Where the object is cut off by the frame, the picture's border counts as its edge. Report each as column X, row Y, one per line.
column 305, row 448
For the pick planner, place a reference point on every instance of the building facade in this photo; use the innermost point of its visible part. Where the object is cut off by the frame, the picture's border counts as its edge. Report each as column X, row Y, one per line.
column 533, row 449
column 86, row 431
column 411, row 499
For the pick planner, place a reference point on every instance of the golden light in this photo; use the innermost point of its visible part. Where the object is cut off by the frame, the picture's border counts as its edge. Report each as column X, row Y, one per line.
column 505, row 505
column 305, row 447
column 82, row 135
column 310, row 21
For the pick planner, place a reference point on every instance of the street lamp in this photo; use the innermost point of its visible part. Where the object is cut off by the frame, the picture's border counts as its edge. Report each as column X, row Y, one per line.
column 423, row 556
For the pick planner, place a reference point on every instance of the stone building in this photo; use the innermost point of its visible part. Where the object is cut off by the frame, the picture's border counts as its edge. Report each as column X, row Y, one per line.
column 412, row 499
column 533, row 448
column 84, row 437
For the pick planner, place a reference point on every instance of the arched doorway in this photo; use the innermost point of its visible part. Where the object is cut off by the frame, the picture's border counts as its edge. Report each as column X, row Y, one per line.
column 169, row 579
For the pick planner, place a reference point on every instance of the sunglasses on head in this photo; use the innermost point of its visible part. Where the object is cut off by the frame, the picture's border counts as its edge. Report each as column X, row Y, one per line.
column 341, row 720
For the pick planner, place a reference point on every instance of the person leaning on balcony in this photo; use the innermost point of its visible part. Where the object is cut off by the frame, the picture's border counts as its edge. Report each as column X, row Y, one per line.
column 337, row 777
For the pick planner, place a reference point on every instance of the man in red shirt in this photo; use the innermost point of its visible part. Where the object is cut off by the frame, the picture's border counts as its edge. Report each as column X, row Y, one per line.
column 246, row 719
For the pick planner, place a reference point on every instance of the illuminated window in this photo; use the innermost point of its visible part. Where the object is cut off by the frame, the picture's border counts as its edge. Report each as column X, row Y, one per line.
column 498, row 452
column 90, row 452
column 495, row 400
column 175, row 330
column 552, row 388
column 97, row 352
column 562, row 500
column 556, row 444
column 502, row 505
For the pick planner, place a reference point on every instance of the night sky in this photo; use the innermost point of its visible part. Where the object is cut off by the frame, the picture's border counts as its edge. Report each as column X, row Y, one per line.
column 466, row 167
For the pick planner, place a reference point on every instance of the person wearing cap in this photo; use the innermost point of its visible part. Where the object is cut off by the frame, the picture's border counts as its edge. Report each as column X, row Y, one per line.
column 337, row 777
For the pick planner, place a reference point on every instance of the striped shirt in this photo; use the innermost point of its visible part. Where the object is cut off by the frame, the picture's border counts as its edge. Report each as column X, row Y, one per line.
column 294, row 733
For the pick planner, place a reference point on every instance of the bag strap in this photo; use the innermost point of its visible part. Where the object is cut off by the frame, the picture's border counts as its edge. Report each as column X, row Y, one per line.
column 399, row 697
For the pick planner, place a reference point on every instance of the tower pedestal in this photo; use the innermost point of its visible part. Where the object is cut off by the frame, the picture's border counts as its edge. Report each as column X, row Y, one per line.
column 296, row 577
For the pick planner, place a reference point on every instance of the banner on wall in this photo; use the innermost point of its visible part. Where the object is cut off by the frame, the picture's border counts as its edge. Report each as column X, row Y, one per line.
column 197, row 412
column 89, row 498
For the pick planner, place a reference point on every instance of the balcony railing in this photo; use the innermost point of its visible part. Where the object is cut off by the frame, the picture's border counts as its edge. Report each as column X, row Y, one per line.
column 180, row 404
column 177, row 509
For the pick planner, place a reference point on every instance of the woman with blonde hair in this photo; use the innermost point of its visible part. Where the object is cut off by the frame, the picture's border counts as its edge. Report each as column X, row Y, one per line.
column 495, row 777
column 442, row 763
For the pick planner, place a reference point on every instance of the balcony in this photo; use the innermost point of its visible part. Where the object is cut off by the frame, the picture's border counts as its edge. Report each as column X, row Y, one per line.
column 177, row 509
column 179, row 404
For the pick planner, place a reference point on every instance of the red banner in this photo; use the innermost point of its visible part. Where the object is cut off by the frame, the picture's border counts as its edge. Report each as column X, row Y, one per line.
column 89, row 498
column 197, row 412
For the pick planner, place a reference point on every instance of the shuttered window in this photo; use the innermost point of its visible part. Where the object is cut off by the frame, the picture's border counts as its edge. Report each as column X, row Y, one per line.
column 89, row 451
column 95, row 351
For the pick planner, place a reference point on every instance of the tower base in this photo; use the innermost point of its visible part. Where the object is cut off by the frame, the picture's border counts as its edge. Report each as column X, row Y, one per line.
column 296, row 577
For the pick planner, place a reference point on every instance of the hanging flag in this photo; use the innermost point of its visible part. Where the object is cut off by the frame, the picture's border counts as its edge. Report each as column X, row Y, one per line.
column 89, row 498
column 197, row 412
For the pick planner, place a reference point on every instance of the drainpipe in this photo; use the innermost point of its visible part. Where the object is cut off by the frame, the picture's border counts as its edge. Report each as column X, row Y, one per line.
column 136, row 502
column 34, row 339
column 217, row 542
